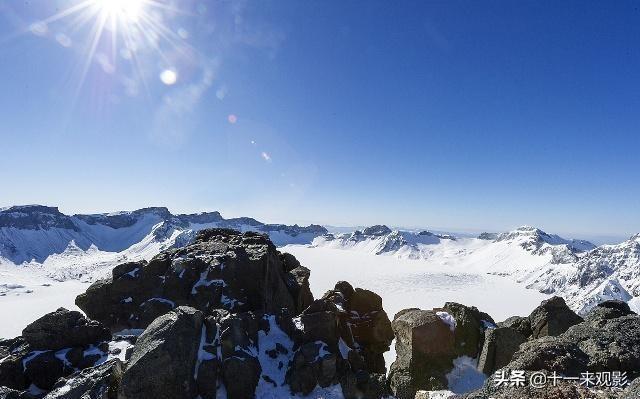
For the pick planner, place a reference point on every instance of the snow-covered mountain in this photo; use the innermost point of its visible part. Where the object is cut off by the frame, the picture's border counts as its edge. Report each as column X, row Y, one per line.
column 575, row 269
column 83, row 247
column 35, row 233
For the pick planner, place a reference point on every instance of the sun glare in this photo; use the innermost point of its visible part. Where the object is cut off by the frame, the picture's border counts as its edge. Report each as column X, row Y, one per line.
column 121, row 9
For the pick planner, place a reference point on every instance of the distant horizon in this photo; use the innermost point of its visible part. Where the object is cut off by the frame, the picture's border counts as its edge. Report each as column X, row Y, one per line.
column 598, row 239
column 472, row 115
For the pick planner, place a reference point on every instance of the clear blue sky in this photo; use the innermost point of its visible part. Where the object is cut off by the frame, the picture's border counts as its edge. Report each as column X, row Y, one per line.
column 460, row 115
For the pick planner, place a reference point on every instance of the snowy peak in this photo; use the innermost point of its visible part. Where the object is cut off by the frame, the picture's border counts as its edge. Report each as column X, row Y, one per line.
column 118, row 220
column 533, row 239
column 35, row 217
column 378, row 230
column 35, row 232
column 381, row 240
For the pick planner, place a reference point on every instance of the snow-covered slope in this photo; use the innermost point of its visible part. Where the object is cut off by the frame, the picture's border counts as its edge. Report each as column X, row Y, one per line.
column 575, row 269
column 35, row 234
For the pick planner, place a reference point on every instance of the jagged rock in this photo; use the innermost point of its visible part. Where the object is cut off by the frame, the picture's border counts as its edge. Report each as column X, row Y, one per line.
column 312, row 365
column 499, row 346
column 62, row 329
column 470, row 326
column 345, row 289
column 163, row 361
column 594, row 346
column 99, row 382
column 365, row 301
column 373, row 333
column 609, row 310
column 552, row 318
column 425, row 347
column 44, row 369
column 241, row 375
column 12, row 351
column 242, row 324
column 8, row 393
column 220, row 269
column 377, row 230
column 320, row 326
column 520, row 324
column 207, row 378
column 297, row 280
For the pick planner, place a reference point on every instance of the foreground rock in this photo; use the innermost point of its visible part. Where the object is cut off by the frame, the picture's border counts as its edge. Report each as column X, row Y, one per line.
column 552, row 318
column 100, row 382
column 428, row 342
column 221, row 269
column 62, row 329
column 164, row 354
column 54, row 346
column 227, row 313
column 607, row 341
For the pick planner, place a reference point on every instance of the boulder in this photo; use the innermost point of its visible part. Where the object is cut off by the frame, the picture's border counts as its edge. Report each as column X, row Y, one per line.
column 365, row 301
column 552, row 318
column 469, row 330
column 312, row 365
column 425, row 347
column 99, row 382
column 297, row 281
column 609, row 310
column 43, row 369
column 12, row 351
column 499, row 346
column 240, row 375
column 63, row 329
column 163, row 362
column 520, row 324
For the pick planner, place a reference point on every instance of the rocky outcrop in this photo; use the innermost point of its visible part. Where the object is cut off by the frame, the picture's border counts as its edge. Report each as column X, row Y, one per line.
column 608, row 340
column 100, row 382
column 52, row 347
column 499, row 346
column 164, row 354
column 64, row 328
column 228, row 314
column 428, row 342
column 221, row 269
column 552, row 318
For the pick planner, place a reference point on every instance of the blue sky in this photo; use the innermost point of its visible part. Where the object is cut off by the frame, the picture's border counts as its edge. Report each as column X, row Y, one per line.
column 455, row 115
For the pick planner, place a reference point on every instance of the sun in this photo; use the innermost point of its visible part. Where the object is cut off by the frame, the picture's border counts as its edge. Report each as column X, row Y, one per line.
column 121, row 10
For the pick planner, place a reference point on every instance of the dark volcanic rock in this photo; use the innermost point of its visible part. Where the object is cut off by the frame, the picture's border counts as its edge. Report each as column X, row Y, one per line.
column 552, row 318
column 44, row 369
column 163, row 362
column 599, row 344
column 8, row 393
column 499, row 346
column 62, row 329
column 99, row 382
column 12, row 351
column 520, row 324
column 250, row 320
column 221, row 269
column 425, row 347
column 470, row 326
column 609, row 310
